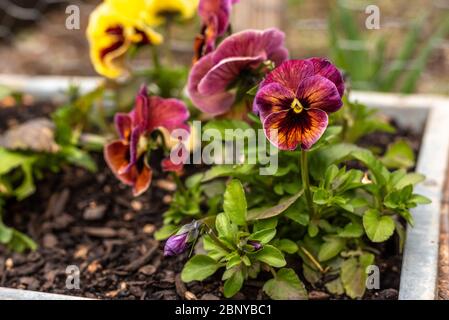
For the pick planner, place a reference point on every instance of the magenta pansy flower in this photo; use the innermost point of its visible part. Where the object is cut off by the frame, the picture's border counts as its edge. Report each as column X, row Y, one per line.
column 215, row 16
column 295, row 99
column 127, row 156
column 236, row 62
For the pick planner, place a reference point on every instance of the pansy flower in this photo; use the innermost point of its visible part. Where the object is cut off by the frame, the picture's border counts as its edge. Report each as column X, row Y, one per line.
column 215, row 16
column 295, row 99
column 127, row 157
column 111, row 33
column 235, row 63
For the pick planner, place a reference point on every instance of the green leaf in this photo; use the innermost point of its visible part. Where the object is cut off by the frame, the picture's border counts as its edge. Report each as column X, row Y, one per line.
column 419, row 199
column 399, row 155
column 79, row 158
column 234, row 204
column 335, row 287
column 378, row 228
column 265, row 213
column 353, row 274
column 285, row 286
column 225, row 227
column 233, row 284
column 330, row 248
column 381, row 174
column 227, row 125
column 199, row 268
column 271, row 256
column 351, row 230
column 263, row 236
column 408, row 179
column 165, row 232
column 287, row 246
column 219, row 171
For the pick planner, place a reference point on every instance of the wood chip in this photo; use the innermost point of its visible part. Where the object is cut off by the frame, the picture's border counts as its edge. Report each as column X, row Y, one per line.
column 136, row 264
column 9, row 264
column 181, row 289
column 136, row 205
column 148, row 270
column 166, row 185
column 81, row 252
column 318, row 295
column 49, row 240
column 94, row 212
column 100, row 232
column 94, row 266
column 149, row 228
column 190, row 296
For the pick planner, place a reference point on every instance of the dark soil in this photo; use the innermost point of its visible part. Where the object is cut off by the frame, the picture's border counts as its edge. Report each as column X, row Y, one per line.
column 93, row 222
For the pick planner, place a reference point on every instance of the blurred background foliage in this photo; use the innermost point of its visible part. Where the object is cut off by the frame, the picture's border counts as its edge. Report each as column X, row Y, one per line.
column 409, row 53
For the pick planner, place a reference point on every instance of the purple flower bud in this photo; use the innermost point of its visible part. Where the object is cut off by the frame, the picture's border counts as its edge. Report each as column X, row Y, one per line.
column 255, row 244
column 176, row 244
column 179, row 242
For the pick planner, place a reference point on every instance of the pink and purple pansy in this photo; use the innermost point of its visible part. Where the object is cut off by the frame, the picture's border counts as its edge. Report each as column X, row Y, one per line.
column 215, row 16
column 295, row 99
column 127, row 156
column 236, row 63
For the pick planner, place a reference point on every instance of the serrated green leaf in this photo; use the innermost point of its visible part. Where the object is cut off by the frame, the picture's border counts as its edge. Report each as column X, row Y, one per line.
column 378, row 228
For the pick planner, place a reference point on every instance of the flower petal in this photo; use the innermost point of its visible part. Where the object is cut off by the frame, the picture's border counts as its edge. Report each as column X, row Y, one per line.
column 132, row 149
column 225, row 72
column 170, row 114
column 286, row 129
column 217, row 11
column 176, row 244
column 123, row 125
column 142, row 179
column 214, row 104
column 273, row 98
column 116, row 156
column 253, row 43
column 325, row 68
column 290, row 74
column 319, row 93
column 140, row 112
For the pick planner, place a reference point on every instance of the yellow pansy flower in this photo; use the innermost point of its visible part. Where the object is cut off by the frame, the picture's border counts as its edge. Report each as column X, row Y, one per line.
column 111, row 33
column 158, row 10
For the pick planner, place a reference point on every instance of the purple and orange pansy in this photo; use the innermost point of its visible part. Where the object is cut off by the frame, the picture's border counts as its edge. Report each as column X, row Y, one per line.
column 236, row 62
column 127, row 156
column 215, row 18
column 294, row 101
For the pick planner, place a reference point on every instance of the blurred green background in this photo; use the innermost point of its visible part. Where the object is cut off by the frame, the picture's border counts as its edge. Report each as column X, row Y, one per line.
column 409, row 53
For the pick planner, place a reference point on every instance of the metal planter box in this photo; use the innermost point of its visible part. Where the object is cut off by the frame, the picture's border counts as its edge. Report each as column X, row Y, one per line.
column 426, row 113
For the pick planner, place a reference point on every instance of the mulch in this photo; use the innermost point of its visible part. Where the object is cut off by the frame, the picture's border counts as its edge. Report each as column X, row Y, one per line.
column 93, row 222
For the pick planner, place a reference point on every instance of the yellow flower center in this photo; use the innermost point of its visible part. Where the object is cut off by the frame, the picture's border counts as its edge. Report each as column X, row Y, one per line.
column 142, row 145
column 297, row 106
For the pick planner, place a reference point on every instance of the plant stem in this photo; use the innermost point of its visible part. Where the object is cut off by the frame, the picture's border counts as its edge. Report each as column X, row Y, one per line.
column 179, row 183
column 217, row 241
column 306, row 181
